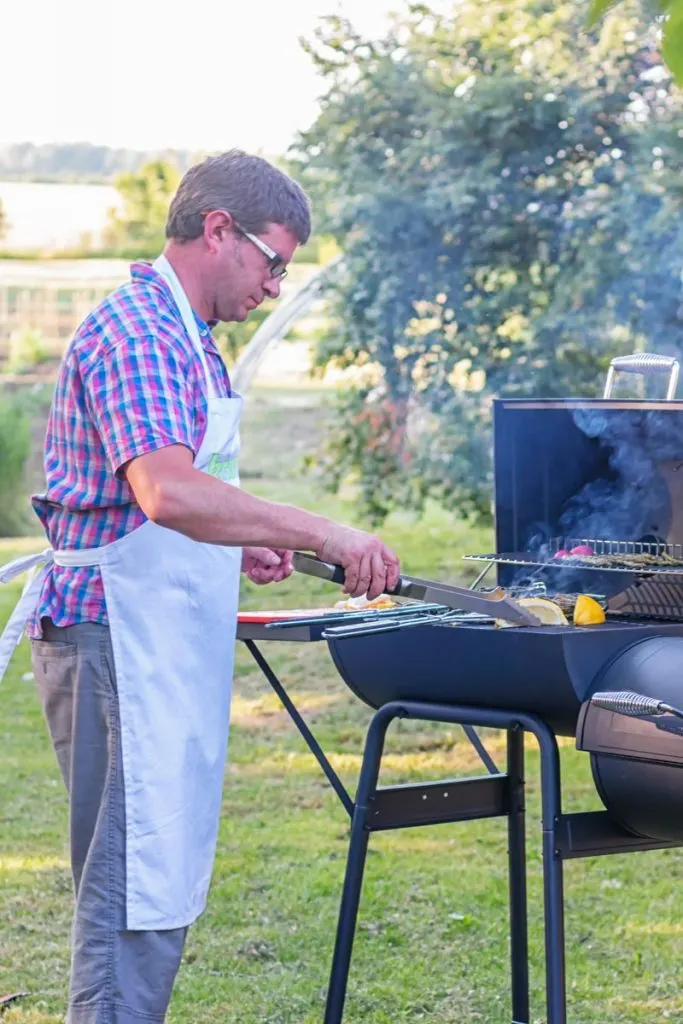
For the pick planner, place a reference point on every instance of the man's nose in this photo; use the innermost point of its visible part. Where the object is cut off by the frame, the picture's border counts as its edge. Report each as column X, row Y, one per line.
column 271, row 287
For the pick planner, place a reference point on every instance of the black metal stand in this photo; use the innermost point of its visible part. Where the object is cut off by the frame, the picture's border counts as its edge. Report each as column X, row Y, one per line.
column 500, row 795
column 564, row 836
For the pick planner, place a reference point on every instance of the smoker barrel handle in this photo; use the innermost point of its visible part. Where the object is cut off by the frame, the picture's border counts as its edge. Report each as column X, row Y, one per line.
column 633, row 705
column 644, row 363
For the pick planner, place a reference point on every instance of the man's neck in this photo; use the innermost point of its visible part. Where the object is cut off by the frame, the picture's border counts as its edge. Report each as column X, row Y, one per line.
column 183, row 259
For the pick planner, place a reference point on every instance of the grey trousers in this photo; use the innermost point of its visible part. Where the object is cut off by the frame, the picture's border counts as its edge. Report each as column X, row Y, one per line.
column 117, row 976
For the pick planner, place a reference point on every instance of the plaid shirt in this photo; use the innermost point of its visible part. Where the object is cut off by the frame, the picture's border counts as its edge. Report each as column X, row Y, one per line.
column 130, row 383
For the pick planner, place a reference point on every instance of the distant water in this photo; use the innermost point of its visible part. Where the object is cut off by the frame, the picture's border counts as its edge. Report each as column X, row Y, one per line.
column 54, row 216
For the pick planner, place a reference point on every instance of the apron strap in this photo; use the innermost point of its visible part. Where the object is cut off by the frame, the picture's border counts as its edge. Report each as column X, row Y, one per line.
column 24, row 564
column 163, row 267
column 26, row 604
column 80, row 557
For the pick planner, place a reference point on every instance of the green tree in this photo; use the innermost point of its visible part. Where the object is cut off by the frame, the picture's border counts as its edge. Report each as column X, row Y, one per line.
column 15, row 448
column 490, row 176
column 667, row 12
column 3, row 221
column 146, row 195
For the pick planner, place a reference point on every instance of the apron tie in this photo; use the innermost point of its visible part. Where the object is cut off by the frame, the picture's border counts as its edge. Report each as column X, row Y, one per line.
column 26, row 604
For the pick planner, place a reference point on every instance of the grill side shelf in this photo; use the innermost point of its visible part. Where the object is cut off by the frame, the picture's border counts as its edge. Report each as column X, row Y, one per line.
column 302, row 634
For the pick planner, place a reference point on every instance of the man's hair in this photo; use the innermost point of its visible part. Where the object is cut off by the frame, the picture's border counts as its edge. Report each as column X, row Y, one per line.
column 248, row 187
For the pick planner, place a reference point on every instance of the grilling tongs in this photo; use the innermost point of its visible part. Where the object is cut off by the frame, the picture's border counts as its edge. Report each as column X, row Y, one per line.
column 496, row 605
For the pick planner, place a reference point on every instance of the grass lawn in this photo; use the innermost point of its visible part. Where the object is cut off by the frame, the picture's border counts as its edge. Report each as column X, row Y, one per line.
column 432, row 943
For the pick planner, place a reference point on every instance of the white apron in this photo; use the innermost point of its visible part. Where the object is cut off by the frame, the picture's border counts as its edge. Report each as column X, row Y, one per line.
column 172, row 609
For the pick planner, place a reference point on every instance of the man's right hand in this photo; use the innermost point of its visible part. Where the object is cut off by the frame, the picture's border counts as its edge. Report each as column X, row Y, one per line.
column 175, row 495
column 370, row 566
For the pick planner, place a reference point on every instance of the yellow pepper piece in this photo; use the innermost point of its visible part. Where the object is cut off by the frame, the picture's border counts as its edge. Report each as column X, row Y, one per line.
column 587, row 611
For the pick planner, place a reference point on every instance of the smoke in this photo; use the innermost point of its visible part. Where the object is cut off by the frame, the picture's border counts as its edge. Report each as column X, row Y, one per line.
column 633, row 501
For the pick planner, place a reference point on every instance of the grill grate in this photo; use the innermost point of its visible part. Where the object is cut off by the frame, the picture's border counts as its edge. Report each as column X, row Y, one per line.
column 624, row 556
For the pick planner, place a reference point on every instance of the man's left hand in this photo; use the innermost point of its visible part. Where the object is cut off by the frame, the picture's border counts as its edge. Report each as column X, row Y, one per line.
column 267, row 565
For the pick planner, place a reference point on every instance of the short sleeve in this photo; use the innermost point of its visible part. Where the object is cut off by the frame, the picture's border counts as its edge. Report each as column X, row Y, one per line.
column 140, row 395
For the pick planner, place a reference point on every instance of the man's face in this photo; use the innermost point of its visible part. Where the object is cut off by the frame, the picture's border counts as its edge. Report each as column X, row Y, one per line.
column 241, row 278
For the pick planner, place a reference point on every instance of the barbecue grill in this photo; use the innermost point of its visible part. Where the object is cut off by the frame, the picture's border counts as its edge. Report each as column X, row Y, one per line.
column 602, row 476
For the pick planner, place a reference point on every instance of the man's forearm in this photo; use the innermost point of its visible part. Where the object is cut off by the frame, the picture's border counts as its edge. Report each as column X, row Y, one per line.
column 172, row 493
column 209, row 510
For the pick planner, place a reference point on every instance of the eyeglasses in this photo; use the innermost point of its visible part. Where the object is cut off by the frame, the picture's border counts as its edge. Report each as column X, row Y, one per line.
column 276, row 265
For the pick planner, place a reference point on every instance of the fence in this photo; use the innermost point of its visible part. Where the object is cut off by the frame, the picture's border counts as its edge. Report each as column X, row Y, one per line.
column 53, row 296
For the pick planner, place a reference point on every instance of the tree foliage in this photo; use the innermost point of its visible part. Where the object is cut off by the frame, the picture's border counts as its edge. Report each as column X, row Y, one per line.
column 3, row 221
column 505, row 189
column 670, row 14
column 15, row 448
column 146, row 198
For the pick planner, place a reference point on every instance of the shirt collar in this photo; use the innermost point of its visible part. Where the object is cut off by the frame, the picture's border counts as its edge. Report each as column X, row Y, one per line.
column 143, row 271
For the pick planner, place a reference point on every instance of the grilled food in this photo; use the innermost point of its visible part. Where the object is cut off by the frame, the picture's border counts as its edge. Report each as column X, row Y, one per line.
column 638, row 560
column 549, row 613
column 587, row 611
column 361, row 604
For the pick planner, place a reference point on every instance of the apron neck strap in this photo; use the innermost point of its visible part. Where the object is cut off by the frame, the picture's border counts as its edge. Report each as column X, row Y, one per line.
column 163, row 267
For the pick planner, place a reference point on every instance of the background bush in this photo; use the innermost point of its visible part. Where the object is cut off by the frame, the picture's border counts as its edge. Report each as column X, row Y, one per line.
column 15, row 447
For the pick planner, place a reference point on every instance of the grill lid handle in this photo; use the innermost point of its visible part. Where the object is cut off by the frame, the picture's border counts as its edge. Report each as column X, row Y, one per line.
column 645, row 363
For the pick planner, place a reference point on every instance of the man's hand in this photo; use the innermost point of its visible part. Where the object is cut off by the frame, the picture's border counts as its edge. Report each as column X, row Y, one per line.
column 371, row 567
column 266, row 565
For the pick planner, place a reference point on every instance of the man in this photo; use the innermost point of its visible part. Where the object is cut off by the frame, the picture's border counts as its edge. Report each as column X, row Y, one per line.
column 133, row 616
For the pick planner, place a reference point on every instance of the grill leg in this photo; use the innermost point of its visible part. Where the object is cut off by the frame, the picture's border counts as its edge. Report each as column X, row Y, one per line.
column 355, row 865
column 554, row 932
column 519, row 947
column 348, row 915
column 553, row 892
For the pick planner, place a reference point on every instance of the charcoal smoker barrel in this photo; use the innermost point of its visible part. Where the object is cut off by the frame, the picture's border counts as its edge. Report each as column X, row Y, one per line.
column 551, row 672
column 547, row 671
column 638, row 762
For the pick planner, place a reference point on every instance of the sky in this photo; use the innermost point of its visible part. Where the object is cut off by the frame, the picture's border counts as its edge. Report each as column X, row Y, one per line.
column 149, row 74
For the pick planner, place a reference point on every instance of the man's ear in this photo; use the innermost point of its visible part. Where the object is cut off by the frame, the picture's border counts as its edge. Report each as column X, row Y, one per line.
column 217, row 224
